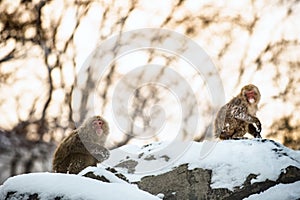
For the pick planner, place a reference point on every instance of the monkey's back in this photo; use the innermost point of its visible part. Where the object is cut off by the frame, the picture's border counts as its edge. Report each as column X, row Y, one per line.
column 62, row 152
column 71, row 151
column 227, row 123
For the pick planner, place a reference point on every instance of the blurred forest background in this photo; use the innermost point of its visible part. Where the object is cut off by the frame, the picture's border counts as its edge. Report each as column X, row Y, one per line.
column 43, row 45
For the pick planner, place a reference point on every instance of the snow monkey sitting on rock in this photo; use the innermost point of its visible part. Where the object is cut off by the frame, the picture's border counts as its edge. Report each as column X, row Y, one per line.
column 83, row 147
column 238, row 117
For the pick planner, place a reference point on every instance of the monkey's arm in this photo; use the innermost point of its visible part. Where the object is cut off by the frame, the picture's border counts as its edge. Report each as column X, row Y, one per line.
column 76, row 145
column 88, row 148
column 241, row 113
column 98, row 151
column 71, row 144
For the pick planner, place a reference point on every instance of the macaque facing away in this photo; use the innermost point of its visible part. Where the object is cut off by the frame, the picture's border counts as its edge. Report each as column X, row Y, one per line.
column 238, row 117
column 83, row 147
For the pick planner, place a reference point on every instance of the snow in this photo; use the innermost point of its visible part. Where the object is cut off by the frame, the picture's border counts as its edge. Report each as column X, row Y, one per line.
column 152, row 159
column 160, row 195
column 231, row 161
column 50, row 185
column 279, row 192
column 102, row 172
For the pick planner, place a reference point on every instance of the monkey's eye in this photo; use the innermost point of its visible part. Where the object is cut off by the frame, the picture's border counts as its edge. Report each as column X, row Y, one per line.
column 98, row 123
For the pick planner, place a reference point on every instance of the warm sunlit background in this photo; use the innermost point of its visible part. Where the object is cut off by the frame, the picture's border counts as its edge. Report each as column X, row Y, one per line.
column 43, row 45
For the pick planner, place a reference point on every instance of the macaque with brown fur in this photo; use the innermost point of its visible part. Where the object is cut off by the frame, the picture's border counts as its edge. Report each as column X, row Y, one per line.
column 83, row 147
column 238, row 117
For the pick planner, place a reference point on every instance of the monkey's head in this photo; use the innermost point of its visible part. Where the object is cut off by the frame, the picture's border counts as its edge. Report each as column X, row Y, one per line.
column 251, row 94
column 94, row 129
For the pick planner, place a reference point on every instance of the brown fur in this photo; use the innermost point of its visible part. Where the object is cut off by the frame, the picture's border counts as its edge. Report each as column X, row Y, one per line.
column 82, row 148
column 238, row 117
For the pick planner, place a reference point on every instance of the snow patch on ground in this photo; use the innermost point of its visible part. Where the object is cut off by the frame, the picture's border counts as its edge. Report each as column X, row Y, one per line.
column 279, row 192
column 112, row 178
column 50, row 185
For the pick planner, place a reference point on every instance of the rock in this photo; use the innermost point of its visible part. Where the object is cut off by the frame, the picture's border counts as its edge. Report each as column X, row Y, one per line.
column 129, row 165
column 182, row 183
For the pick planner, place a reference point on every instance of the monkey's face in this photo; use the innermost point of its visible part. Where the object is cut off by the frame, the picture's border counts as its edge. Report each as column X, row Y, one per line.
column 97, row 126
column 100, row 126
column 94, row 129
column 251, row 94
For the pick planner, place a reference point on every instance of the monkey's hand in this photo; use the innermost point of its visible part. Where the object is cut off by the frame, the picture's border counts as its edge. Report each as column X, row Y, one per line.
column 257, row 125
column 241, row 113
column 99, row 152
column 253, row 131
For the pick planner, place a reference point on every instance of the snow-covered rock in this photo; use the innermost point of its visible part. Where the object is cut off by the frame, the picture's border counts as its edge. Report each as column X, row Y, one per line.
column 236, row 168
column 231, row 169
column 231, row 161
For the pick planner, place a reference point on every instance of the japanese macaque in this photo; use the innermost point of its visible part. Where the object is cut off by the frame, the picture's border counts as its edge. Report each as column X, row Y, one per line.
column 83, row 147
column 238, row 117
